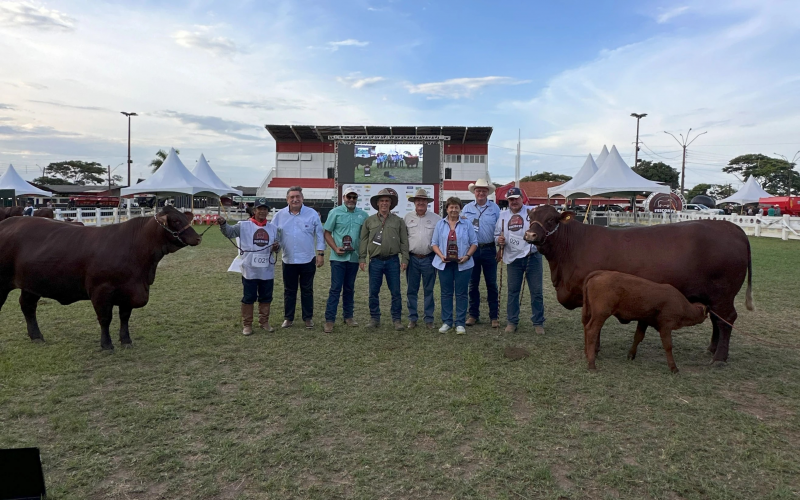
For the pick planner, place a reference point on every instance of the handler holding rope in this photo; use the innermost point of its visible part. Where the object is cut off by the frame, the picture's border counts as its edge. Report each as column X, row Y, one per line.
column 258, row 244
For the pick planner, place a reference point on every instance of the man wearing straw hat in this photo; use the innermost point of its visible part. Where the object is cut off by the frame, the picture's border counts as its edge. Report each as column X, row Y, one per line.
column 343, row 235
column 483, row 215
column 420, row 223
column 384, row 238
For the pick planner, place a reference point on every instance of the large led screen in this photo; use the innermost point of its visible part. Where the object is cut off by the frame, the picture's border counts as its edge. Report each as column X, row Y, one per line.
column 366, row 163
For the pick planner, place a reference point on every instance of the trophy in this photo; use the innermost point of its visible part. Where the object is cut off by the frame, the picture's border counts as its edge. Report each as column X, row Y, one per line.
column 452, row 247
column 347, row 243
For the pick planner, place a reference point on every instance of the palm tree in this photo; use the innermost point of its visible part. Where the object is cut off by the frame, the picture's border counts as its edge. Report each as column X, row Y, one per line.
column 161, row 155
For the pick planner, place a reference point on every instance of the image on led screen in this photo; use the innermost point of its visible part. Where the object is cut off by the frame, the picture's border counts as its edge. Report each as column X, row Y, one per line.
column 388, row 163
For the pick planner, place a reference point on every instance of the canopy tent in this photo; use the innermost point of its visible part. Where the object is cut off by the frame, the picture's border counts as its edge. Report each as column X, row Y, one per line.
column 203, row 172
column 751, row 192
column 12, row 181
column 616, row 178
column 586, row 172
column 173, row 178
column 601, row 157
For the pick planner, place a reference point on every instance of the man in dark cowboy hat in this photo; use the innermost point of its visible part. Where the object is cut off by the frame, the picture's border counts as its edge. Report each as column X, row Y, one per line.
column 385, row 239
column 421, row 224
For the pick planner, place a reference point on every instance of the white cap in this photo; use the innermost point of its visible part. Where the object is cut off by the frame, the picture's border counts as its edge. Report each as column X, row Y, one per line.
column 349, row 190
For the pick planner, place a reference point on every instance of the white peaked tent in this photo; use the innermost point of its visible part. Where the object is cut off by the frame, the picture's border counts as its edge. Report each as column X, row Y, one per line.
column 203, row 172
column 11, row 180
column 586, row 172
column 615, row 178
column 173, row 178
column 750, row 193
column 602, row 156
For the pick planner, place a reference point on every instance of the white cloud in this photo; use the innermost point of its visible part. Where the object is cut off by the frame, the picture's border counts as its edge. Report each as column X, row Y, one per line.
column 350, row 42
column 671, row 13
column 355, row 81
column 458, row 88
column 16, row 14
column 204, row 40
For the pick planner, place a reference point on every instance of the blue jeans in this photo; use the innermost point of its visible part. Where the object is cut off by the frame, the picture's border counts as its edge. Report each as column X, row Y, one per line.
column 454, row 282
column 343, row 275
column 421, row 270
column 260, row 290
column 484, row 261
column 531, row 268
column 377, row 269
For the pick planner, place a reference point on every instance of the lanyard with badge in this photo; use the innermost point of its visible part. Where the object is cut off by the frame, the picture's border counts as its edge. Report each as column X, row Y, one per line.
column 378, row 239
column 477, row 221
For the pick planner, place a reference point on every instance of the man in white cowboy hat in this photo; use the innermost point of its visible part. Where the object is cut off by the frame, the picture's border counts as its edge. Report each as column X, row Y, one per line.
column 420, row 223
column 343, row 235
column 483, row 215
column 384, row 238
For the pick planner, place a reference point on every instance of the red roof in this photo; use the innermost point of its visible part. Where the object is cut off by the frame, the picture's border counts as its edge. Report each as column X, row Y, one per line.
column 500, row 193
column 538, row 189
column 457, row 185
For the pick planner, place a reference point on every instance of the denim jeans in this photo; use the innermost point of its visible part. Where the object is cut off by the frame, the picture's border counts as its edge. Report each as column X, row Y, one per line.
column 260, row 290
column 485, row 262
column 531, row 268
column 343, row 276
column 454, row 282
column 304, row 273
column 391, row 269
column 421, row 270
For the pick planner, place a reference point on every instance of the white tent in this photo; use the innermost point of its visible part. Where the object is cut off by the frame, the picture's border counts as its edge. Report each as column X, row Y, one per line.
column 602, row 156
column 173, row 178
column 750, row 193
column 203, row 172
column 616, row 178
column 586, row 172
column 11, row 180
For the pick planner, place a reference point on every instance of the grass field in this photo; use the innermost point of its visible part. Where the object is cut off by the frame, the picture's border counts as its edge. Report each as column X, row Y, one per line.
column 196, row 410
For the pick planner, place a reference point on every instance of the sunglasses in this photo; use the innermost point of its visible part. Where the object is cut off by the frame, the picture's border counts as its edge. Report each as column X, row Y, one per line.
column 352, row 196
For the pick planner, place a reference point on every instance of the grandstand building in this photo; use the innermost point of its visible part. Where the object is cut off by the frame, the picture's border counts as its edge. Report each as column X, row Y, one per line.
column 305, row 156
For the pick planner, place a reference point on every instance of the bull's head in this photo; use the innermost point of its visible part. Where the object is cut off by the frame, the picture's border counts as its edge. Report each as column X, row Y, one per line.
column 544, row 221
column 179, row 226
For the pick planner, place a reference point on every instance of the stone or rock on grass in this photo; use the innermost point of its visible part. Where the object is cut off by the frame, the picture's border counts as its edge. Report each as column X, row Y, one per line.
column 516, row 353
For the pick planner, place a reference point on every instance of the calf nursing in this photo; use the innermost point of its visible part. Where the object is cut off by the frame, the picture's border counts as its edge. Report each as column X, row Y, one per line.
column 630, row 298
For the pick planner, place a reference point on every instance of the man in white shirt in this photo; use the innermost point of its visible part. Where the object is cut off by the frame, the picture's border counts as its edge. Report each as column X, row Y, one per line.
column 421, row 224
column 302, row 240
column 522, row 261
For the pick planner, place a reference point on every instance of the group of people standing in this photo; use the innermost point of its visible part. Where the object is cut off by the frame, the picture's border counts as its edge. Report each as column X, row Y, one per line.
column 459, row 248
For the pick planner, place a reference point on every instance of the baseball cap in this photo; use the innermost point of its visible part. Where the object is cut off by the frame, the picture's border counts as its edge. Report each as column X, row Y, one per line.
column 349, row 190
column 513, row 192
column 260, row 202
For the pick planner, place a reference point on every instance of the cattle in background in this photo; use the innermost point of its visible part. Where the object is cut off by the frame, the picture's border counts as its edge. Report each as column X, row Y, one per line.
column 45, row 212
column 366, row 162
column 706, row 260
column 630, row 298
column 111, row 265
column 9, row 212
column 411, row 161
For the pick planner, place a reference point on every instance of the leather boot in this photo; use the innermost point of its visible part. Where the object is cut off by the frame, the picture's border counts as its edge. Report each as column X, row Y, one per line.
column 247, row 319
column 263, row 317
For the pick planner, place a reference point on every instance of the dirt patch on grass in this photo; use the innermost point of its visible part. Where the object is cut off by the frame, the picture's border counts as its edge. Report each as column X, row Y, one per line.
column 560, row 473
column 424, row 443
column 520, row 408
column 749, row 400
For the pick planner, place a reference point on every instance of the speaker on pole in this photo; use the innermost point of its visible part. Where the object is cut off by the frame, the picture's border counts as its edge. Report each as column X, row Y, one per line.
column 21, row 475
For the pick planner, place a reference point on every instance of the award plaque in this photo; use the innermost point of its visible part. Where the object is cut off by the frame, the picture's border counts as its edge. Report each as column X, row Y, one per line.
column 347, row 243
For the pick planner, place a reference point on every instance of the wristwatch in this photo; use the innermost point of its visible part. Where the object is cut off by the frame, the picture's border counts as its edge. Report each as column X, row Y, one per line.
column 320, row 253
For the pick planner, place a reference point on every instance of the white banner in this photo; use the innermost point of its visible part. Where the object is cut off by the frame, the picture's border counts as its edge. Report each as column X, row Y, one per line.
column 404, row 206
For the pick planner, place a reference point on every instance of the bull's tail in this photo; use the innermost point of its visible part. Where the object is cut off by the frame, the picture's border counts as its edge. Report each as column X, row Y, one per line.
column 586, row 311
column 748, row 301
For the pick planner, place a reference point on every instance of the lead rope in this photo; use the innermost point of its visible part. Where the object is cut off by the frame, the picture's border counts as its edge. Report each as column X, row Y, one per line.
column 759, row 339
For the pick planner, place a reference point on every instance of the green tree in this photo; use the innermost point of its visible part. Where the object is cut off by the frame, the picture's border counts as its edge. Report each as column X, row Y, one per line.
column 720, row 191
column 161, row 155
column 658, row 172
column 700, row 189
column 73, row 172
column 47, row 180
column 774, row 174
column 546, row 176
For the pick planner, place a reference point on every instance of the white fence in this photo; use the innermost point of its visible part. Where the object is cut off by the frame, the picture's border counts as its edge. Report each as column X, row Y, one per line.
column 106, row 216
column 784, row 227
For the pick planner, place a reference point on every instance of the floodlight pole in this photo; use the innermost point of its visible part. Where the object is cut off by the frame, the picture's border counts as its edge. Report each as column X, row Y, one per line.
column 638, row 117
column 129, row 143
column 684, row 144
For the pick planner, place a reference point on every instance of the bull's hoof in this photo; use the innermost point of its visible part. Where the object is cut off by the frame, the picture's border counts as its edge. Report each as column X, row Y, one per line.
column 631, row 355
column 127, row 345
column 718, row 363
column 107, row 348
column 675, row 370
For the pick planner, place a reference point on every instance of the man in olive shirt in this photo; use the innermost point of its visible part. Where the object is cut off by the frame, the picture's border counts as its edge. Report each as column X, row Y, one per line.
column 421, row 224
column 343, row 235
column 383, row 238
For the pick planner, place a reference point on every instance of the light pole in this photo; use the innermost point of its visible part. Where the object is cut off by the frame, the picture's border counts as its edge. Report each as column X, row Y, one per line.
column 129, row 143
column 684, row 143
column 636, row 154
column 790, row 167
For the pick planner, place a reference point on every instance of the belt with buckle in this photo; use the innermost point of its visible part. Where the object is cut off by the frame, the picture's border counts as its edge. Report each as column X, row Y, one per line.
column 483, row 245
column 423, row 256
column 378, row 257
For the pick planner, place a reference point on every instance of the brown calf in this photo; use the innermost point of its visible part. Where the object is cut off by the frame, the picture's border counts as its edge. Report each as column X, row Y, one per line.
column 630, row 298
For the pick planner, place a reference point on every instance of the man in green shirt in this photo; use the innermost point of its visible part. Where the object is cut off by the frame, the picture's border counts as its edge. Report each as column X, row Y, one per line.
column 384, row 237
column 343, row 235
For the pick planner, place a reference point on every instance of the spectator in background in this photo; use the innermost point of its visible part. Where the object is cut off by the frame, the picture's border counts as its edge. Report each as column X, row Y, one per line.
column 777, row 211
column 771, row 212
column 301, row 236
column 28, row 209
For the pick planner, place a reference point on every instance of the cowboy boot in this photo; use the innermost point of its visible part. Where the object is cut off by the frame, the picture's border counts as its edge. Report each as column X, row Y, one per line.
column 247, row 319
column 263, row 317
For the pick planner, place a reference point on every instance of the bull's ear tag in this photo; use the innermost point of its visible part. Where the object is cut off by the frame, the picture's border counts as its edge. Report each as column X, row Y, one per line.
column 568, row 217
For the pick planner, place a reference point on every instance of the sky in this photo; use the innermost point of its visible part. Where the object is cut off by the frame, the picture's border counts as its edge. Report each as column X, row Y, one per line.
column 205, row 77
